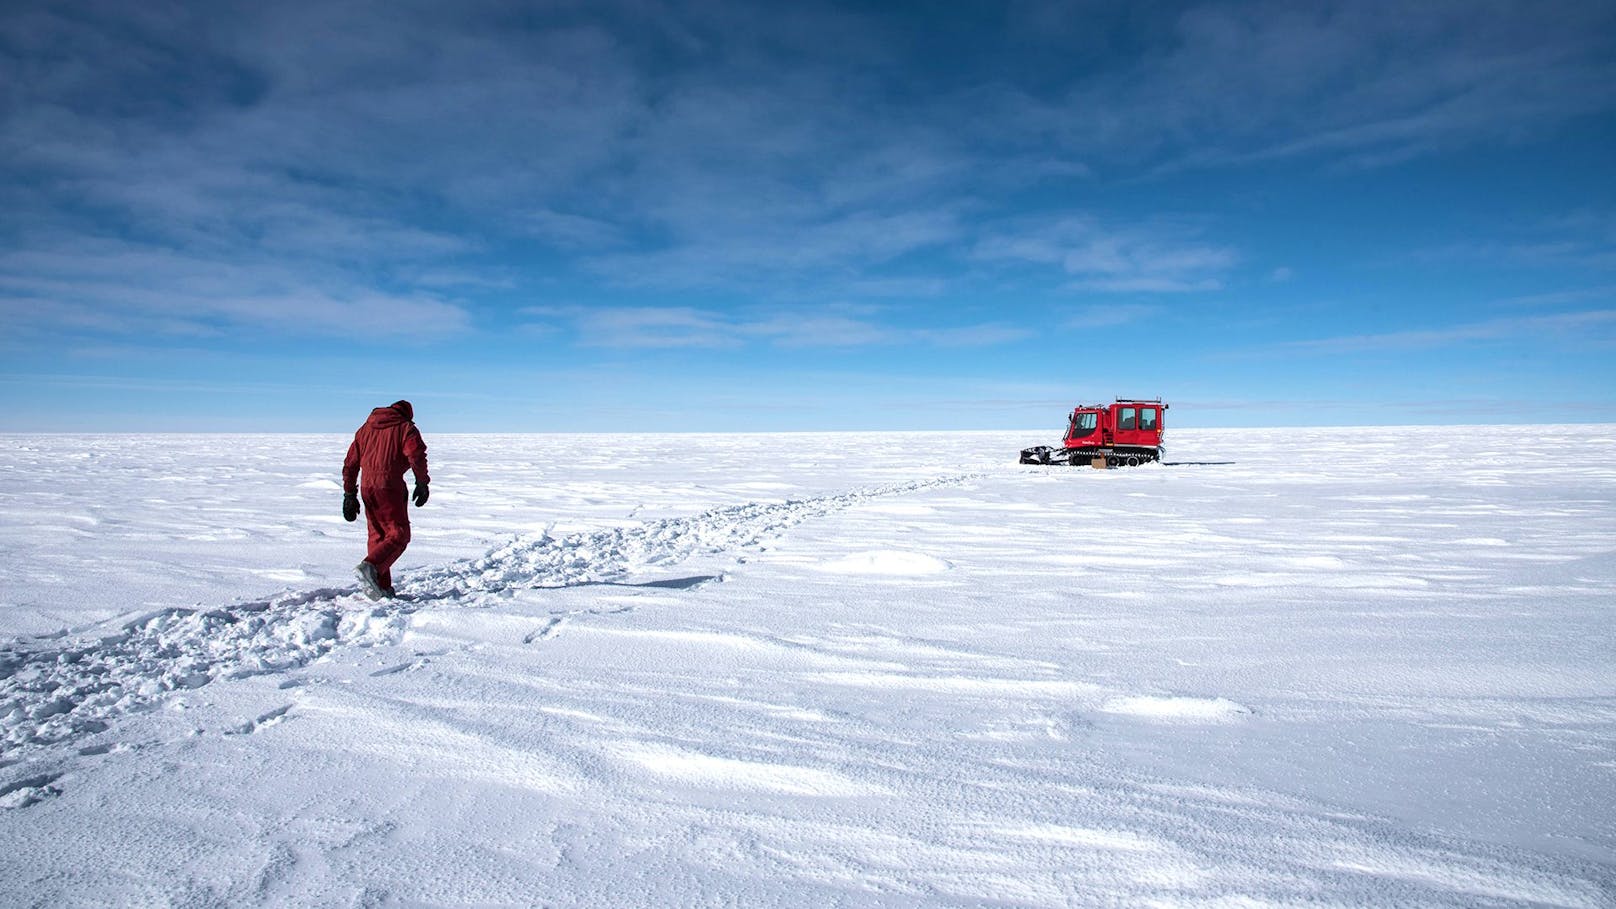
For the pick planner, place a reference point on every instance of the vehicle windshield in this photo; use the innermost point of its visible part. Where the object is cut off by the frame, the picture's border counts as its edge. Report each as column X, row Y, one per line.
column 1083, row 424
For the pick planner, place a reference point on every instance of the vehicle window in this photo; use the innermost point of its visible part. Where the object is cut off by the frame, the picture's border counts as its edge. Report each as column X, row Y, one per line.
column 1083, row 424
column 1130, row 418
column 1147, row 419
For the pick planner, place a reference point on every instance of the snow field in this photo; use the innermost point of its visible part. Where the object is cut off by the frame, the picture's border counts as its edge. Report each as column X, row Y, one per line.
column 1322, row 673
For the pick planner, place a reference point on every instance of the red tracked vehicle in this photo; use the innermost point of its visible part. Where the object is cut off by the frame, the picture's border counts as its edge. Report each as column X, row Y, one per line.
column 1122, row 434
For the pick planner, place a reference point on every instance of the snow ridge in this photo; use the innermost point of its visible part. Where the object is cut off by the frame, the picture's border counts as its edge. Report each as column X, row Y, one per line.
column 52, row 691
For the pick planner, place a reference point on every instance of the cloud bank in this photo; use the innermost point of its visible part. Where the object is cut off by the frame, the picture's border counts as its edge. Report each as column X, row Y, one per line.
column 306, row 167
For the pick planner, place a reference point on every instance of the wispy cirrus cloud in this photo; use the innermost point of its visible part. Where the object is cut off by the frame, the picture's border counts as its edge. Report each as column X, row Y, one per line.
column 1583, row 241
column 338, row 137
column 672, row 327
column 304, row 165
column 1562, row 297
column 757, row 255
column 1362, row 83
column 118, row 287
column 565, row 230
column 1156, row 258
column 654, row 327
column 1110, row 316
column 1596, row 326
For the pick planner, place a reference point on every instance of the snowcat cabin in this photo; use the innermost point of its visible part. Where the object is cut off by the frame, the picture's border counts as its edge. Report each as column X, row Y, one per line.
column 1137, row 422
column 1083, row 428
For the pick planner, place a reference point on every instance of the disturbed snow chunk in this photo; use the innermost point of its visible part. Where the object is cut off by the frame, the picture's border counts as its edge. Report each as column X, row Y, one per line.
column 374, row 626
column 310, row 628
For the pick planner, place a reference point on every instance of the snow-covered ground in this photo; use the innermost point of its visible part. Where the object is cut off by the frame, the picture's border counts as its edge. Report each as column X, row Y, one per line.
column 1353, row 666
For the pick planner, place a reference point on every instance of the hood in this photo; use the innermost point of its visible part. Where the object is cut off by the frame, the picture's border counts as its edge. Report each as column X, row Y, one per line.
column 405, row 408
column 383, row 417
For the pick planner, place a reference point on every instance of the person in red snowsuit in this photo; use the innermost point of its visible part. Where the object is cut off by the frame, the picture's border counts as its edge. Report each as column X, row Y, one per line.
column 382, row 450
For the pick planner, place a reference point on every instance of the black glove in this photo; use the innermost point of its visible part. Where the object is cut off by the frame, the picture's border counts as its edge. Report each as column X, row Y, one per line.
column 421, row 494
column 350, row 506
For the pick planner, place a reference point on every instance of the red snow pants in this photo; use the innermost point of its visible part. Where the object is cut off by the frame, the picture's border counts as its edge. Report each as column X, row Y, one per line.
column 387, row 517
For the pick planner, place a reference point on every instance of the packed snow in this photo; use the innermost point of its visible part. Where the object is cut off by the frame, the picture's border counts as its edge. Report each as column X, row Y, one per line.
column 1333, row 666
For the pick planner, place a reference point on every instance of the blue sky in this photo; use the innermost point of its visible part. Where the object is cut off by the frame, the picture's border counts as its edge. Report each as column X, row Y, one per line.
column 612, row 216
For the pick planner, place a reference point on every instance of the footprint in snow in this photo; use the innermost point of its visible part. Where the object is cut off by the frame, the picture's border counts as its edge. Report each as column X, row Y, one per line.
column 549, row 630
column 266, row 719
column 401, row 667
column 29, row 790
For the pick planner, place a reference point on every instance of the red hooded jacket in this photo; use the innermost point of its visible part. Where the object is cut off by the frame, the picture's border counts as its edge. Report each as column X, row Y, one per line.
column 382, row 449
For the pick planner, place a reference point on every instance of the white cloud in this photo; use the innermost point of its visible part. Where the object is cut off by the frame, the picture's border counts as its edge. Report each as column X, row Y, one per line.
column 1110, row 316
column 818, row 330
column 359, row 150
column 1146, row 284
column 639, row 326
column 973, row 335
column 1150, row 258
column 1367, row 82
column 746, row 254
column 687, row 327
column 654, row 327
column 1585, row 241
column 1558, row 298
column 570, row 231
column 126, row 288
column 1584, row 326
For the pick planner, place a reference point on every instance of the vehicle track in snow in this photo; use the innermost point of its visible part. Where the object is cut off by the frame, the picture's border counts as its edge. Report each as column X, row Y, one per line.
column 54, row 690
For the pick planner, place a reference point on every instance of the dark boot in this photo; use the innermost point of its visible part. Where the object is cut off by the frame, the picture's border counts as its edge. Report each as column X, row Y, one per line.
column 368, row 582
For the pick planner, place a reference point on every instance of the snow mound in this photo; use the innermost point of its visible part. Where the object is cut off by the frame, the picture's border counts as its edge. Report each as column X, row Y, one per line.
column 887, row 562
column 1176, row 708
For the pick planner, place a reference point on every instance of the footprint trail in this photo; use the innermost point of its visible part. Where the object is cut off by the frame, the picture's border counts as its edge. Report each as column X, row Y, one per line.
column 55, row 690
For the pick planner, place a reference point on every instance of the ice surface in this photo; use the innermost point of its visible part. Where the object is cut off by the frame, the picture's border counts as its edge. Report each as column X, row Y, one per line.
column 1352, row 666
